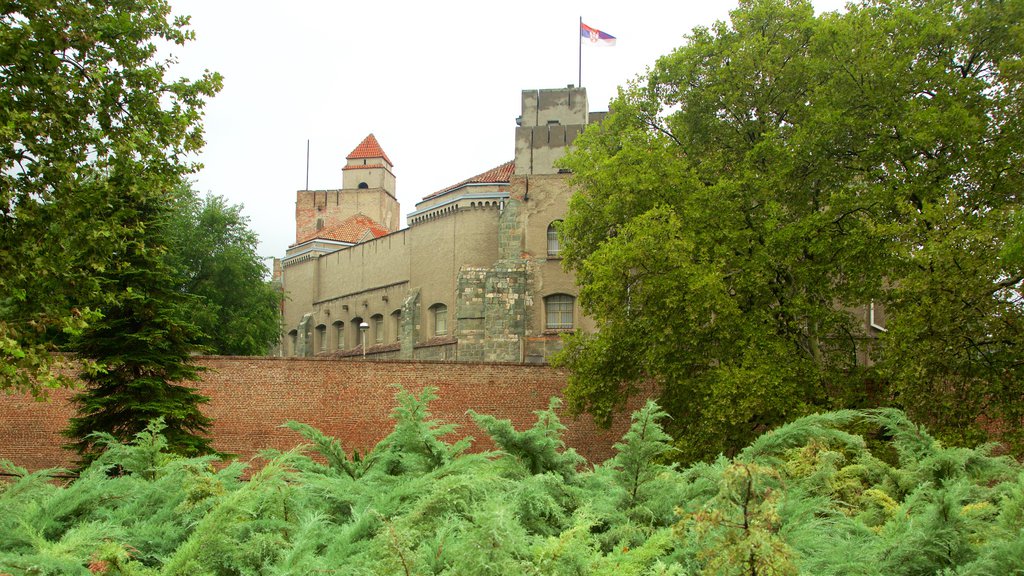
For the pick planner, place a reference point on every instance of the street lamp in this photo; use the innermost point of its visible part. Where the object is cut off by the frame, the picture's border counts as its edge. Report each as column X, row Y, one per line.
column 363, row 327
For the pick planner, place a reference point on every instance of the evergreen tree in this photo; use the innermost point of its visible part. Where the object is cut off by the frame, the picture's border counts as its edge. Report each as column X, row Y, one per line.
column 835, row 494
column 138, row 355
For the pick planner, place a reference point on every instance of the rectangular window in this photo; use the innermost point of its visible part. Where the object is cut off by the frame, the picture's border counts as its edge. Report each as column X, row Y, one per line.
column 559, row 312
column 378, row 329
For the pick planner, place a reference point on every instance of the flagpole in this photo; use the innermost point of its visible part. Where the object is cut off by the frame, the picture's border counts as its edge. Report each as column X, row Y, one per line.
column 579, row 60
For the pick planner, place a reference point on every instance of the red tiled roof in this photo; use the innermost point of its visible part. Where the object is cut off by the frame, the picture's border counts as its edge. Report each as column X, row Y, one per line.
column 351, row 230
column 369, row 148
column 495, row 175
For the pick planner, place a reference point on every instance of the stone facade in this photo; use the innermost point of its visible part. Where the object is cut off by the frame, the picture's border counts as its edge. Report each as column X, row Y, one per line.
column 470, row 279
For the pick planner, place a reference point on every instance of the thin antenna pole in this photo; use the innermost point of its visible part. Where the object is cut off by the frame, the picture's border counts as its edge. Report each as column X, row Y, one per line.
column 307, row 164
column 579, row 60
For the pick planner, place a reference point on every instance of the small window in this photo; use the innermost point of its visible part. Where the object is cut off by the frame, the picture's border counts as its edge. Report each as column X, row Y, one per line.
column 321, row 338
column 363, row 186
column 339, row 335
column 396, row 324
column 377, row 323
column 439, row 312
column 554, row 249
column 358, row 335
column 293, row 343
column 558, row 308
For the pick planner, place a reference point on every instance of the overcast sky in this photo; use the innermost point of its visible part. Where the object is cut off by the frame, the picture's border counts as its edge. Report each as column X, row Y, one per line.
column 438, row 83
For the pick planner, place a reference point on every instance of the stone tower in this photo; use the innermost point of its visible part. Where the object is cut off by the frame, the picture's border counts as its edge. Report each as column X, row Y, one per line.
column 367, row 195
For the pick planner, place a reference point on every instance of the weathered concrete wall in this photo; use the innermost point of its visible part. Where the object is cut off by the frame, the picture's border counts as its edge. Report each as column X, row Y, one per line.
column 550, row 122
column 251, row 397
column 544, row 199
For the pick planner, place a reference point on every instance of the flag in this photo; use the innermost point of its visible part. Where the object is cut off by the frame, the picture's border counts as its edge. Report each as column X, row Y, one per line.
column 595, row 37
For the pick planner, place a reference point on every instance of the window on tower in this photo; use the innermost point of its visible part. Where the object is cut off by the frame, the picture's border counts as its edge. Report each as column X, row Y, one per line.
column 554, row 248
column 559, row 311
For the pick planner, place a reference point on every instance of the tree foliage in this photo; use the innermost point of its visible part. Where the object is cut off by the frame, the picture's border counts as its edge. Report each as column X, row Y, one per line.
column 851, row 492
column 140, row 350
column 214, row 253
column 86, row 115
column 751, row 196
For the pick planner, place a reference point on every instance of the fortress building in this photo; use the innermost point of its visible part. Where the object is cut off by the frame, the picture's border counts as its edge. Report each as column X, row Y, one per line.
column 475, row 277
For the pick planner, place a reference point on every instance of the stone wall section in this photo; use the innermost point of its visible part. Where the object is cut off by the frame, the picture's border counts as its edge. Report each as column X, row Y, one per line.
column 251, row 397
column 505, row 311
column 410, row 323
column 470, row 296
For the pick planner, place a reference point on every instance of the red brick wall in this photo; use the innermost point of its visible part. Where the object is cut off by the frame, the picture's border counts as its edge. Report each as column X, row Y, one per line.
column 251, row 397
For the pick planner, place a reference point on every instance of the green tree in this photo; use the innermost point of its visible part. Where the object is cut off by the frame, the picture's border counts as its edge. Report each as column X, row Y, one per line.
column 214, row 250
column 761, row 185
column 83, row 94
column 140, row 349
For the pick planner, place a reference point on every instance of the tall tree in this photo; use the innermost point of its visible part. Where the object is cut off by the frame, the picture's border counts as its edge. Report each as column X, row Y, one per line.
column 214, row 251
column 780, row 172
column 140, row 349
column 83, row 95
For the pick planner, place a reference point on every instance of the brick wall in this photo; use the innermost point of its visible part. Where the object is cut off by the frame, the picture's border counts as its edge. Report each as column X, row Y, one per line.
column 251, row 397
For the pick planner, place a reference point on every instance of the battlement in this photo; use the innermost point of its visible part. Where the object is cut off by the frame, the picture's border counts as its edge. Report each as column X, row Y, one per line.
column 550, row 122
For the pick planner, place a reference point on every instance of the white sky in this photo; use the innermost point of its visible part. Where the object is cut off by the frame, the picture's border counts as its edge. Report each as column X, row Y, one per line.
column 438, row 83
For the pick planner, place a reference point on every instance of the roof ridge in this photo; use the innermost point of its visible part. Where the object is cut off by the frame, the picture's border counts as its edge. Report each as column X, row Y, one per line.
column 369, row 148
column 500, row 173
column 351, row 230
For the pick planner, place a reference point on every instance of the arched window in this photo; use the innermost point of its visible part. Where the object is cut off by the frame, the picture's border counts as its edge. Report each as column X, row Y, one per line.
column 377, row 325
column 363, row 186
column 339, row 335
column 439, row 315
column 558, row 310
column 554, row 249
column 321, row 338
column 357, row 334
column 396, row 325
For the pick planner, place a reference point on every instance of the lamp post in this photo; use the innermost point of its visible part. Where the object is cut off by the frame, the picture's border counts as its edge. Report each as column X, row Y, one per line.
column 363, row 327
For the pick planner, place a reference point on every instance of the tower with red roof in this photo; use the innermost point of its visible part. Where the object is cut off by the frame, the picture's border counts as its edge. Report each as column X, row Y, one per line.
column 363, row 209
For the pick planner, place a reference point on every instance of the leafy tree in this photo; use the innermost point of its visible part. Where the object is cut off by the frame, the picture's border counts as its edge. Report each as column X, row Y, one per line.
column 141, row 348
column 83, row 95
column 214, row 250
column 779, row 173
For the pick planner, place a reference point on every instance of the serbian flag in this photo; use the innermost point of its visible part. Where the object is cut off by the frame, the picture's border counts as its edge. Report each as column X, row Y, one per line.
column 595, row 37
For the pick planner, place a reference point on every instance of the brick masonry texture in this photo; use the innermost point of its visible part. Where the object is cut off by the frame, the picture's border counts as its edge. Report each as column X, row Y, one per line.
column 251, row 397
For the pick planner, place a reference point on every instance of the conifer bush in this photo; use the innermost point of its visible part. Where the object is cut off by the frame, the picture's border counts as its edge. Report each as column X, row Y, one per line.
column 851, row 492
